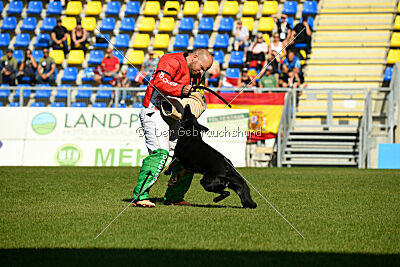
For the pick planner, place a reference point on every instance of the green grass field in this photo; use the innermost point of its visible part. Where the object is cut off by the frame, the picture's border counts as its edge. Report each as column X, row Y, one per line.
column 50, row 216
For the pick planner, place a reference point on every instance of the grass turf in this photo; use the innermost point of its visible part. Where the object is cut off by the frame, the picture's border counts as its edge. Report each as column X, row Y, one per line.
column 51, row 215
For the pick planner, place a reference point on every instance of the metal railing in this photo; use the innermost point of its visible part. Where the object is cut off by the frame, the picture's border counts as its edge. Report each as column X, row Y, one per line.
column 365, row 131
column 284, row 128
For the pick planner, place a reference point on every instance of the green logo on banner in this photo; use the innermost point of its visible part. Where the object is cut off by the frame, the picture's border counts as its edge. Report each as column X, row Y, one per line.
column 68, row 155
column 44, row 123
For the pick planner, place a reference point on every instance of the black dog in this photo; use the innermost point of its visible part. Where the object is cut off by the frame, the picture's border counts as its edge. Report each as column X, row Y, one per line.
column 198, row 157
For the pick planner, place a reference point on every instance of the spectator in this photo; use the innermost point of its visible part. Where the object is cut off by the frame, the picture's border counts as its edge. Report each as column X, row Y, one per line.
column 148, row 67
column 212, row 73
column 257, row 51
column 304, row 32
column 241, row 34
column 291, row 71
column 245, row 80
column 283, row 28
column 9, row 66
column 59, row 37
column 79, row 37
column 109, row 67
column 28, row 68
column 46, row 69
column 276, row 52
column 268, row 80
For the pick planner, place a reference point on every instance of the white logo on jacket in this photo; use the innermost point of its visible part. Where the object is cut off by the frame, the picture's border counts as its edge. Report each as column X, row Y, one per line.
column 165, row 79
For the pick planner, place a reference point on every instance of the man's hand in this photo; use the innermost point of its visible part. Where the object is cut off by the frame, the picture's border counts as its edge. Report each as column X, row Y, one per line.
column 187, row 89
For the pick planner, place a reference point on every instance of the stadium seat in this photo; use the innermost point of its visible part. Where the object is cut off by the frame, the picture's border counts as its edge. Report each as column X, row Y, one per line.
column 151, row 8
column 395, row 40
column 186, row 24
column 28, row 24
column 210, row 8
column 191, row 8
column 58, row 105
column 248, row 22
column 161, row 41
column 136, row 57
column 54, row 8
column 141, row 40
column 167, row 24
column 206, row 24
column 83, row 93
column 48, row 24
column 1, row 54
column 104, row 94
column 99, row 105
column 42, row 40
column 290, row 8
column 127, row 24
column 113, row 8
column 1, row 6
column 232, row 73
column 201, row 41
column 19, row 55
column 266, row 38
column 171, row 8
column 102, row 45
column 76, row 57
column 37, row 105
column 388, row 74
column 138, row 105
column 393, row 56
column 230, row 8
column 310, row 8
column 221, row 41
column 89, row 23
column 57, row 55
column 88, row 74
column 74, row 8
column 131, row 73
column 236, row 58
column 250, row 8
column 147, row 24
column 120, row 105
column 4, row 39
column 9, row 24
column 107, row 24
column 78, row 105
column 69, row 22
column 93, row 8
column 270, row 8
column 14, row 7
column 310, row 21
column 132, row 8
column 266, row 24
column 226, row 25
column 397, row 23
column 37, row 54
column 34, row 8
column 120, row 55
column 122, row 40
column 42, row 93
column 181, row 41
column 26, row 93
column 219, row 56
column 62, row 94
column 95, row 57
column 14, row 104
column 22, row 40
column 290, row 20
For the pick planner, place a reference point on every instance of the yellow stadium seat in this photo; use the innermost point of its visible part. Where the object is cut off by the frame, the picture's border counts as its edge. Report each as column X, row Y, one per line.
column 69, row 22
column 393, row 56
column 89, row 23
column 141, row 40
column 191, row 8
column 266, row 24
column 270, row 7
column 266, row 38
column 398, row 8
column 397, row 23
column 152, row 8
column 395, row 41
column 136, row 57
column 93, row 8
column 76, row 57
column 158, row 53
column 210, row 8
column 250, row 8
column 230, row 8
column 167, row 24
column 147, row 24
column 161, row 41
column 74, row 8
column 57, row 55
column 171, row 8
column 248, row 23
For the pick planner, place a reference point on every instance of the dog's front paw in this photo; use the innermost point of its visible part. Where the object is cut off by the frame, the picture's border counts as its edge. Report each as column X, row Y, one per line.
column 172, row 181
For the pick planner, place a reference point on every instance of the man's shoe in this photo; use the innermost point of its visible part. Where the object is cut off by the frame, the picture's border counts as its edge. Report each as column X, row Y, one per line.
column 180, row 203
column 144, row 204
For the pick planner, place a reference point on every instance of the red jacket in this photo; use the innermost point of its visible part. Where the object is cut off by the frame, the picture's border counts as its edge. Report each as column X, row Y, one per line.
column 171, row 75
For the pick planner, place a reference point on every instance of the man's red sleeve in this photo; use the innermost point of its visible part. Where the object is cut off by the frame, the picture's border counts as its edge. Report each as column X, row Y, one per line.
column 164, row 77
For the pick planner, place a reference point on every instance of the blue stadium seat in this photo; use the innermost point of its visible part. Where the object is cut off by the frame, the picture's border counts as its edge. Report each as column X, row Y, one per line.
column 88, row 74
column 127, row 24
column 131, row 73
column 1, row 6
column 19, row 55
column 99, row 105
column 201, row 41
column 104, row 93
column 138, row 105
column 5, row 93
column 181, row 41
column 58, row 105
column 232, row 73
column 34, row 8
column 236, row 58
column 54, row 8
column 219, row 56
column 113, row 8
column 310, row 8
column 95, row 57
column 9, row 24
column 1, row 104
column 206, row 24
column 37, row 54
column 62, row 94
column 37, row 104
column 14, row 104
column 132, row 8
column 26, row 93
column 226, row 25
column 70, row 74
column 78, row 105
column 1, row 53
column 122, row 40
column 119, row 55
column 221, row 41
column 388, row 74
column 290, row 21
column 42, row 40
column 102, row 45
column 4, row 39
column 14, row 7
column 48, row 24
column 84, row 93
column 42, row 93
column 22, row 40
column 186, row 24
column 107, row 24
column 290, row 8
column 120, row 105
column 28, row 24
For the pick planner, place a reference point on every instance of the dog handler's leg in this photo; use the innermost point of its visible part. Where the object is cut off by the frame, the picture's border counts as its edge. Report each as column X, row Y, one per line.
column 176, row 193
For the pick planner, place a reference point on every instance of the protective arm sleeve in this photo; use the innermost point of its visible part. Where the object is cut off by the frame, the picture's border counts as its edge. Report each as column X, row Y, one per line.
column 164, row 78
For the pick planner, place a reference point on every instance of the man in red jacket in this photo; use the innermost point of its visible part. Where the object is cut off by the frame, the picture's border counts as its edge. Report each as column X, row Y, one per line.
column 175, row 75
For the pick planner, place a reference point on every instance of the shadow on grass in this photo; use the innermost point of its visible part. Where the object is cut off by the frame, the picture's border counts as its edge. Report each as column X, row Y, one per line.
column 160, row 201
column 148, row 257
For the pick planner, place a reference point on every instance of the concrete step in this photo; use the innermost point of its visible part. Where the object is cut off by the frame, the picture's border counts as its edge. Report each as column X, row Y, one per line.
column 320, row 156
column 322, row 137
column 321, row 149
column 318, row 163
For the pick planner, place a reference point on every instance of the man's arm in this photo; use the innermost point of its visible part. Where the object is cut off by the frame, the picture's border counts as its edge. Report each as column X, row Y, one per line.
column 54, row 38
column 53, row 68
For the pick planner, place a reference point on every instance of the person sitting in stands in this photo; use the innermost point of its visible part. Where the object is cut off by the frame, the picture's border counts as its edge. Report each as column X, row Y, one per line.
column 59, row 36
column 9, row 66
column 46, row 69
column 257, row 51
column 291, row 71
column 79, row 37
column 109, row 67
column 246, row 80
column 268, row 80
column 28, row 68
column 212, row 73
column 148, row 67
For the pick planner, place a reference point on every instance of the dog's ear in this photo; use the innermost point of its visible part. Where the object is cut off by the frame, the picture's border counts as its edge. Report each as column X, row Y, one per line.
column 187, row 110
column 204, row 128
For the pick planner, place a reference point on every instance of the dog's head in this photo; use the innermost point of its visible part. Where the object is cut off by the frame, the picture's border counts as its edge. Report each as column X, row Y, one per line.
column 189, row 121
